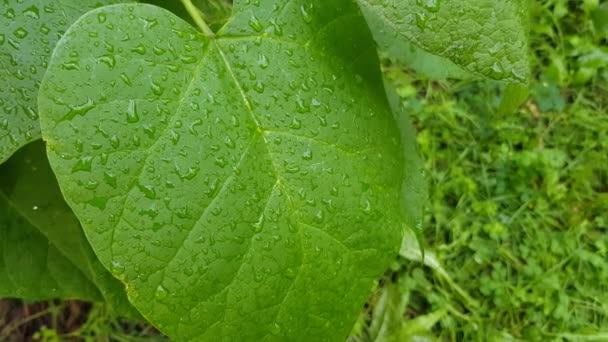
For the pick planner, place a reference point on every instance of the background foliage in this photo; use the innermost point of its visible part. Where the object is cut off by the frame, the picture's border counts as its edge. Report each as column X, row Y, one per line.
column 516, row 226
column 518, row 203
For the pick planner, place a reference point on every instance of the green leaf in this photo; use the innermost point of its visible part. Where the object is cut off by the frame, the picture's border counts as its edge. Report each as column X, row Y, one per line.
column 420, row 325
column 45, row 252
column 247, row 185
column 600, row 18
column 430, row 66
column 513, row 97
column 487, row 38
column 29, row 31
column 414, row 189
column 31, row 266
column 411, row 250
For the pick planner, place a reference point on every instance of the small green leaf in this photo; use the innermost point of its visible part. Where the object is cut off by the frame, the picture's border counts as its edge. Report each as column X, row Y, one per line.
column 249, row 183
column 46, row 253
column 29, row 31
column 411, row 250
column 414, row 189
column 600, row 18
column 32, row 268
column 420, row 325
column 513, row 97
column 487, row 38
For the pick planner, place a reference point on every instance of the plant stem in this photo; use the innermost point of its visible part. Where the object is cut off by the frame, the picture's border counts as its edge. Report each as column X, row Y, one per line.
column 8, row 329
column 198, row 19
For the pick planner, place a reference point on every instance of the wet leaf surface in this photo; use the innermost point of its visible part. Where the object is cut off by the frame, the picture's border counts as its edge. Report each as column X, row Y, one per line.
column 486, row 38
column 29, row 31
column 245, row 186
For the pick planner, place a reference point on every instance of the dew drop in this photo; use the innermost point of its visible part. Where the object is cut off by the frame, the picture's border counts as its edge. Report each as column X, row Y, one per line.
column 275, row 329
column 70, row 66
column 108, row 60
column 161, row 292
column 292, row 168
column 158, row 51
column 139, row 49
column 110, row 179
column 79, row 109
column 259, row 225
column 255, row 24
column 148, row 191
column 290, row 273
column 44, row 29
column 307, row 155
column 132, row 115
column 295, row 124
column 421, row 19
column 83, row 164
column 125, row 79
column 156, row 88
column 20, row 33
column 302, row 107
column 497, row 71
column 30, row 112
column 117, row 268
column 101, row 18
column 432, row 6
column 114, row 142
column 305, row 14
column 263, row 61
column 32, row 12
column 229, row 142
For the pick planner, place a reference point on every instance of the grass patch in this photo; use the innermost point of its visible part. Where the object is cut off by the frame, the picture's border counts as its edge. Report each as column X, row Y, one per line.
column 518, row 210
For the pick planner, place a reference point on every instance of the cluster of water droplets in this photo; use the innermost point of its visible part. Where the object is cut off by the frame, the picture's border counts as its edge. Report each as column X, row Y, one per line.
column 220, row 164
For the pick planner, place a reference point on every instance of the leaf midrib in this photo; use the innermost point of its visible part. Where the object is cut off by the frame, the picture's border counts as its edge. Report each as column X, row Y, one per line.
column 213, row 42
column 259, row 133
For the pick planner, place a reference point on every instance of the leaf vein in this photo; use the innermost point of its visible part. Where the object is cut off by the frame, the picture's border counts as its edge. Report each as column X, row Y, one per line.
column 227, row 182
column 194, row 75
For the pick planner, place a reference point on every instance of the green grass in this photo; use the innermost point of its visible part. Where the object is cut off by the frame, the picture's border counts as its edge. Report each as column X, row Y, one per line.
column 518, row 210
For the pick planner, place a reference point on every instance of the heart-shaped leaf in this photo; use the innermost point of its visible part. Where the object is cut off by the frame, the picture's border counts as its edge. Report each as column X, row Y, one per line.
column 45, row 253
column 245, row 186
column 29, row 31
column 487, row 38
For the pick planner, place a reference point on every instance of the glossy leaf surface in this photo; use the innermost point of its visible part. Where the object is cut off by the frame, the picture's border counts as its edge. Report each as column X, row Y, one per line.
column 29, row 31
column 244, row 187
column 487, row 38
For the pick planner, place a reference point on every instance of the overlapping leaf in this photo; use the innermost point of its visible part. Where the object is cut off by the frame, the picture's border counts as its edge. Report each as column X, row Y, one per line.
column 29, row 31
column 45, row 254
column 244, row 187
column 487, row 38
